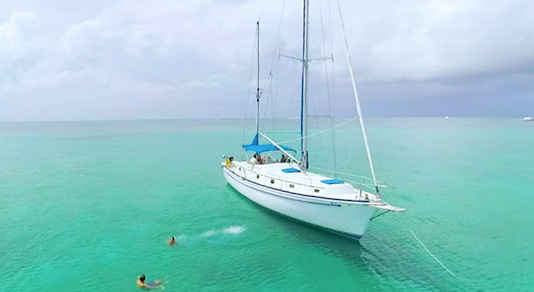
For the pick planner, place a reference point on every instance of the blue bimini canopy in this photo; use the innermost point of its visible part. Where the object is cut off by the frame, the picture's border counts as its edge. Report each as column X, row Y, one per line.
column 259, row 148
column 264, row 148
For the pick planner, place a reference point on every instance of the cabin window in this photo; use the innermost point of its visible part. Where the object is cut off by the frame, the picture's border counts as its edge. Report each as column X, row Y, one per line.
column 258, row 176
column 272, row 181
column 316, row 190
column 291, row 185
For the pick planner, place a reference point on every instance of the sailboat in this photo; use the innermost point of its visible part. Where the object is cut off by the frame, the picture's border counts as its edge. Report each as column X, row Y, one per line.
column 285, row 185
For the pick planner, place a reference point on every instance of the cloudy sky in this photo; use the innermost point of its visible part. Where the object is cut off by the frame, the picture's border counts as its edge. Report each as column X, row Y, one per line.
column 104, row 59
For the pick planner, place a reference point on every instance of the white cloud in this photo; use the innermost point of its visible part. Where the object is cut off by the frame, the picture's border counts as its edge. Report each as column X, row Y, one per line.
column 14, row 32
column 201, row 51
column 429, row 40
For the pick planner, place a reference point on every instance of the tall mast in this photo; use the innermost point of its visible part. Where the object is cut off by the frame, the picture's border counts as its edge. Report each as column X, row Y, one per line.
column 258, row 83
column 304, row 90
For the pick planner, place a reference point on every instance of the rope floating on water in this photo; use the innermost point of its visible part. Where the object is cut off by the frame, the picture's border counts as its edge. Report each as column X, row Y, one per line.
column 432, row 255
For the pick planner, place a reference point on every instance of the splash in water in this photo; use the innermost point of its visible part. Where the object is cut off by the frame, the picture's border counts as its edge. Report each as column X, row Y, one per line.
column 232, row 230
column 208, row 233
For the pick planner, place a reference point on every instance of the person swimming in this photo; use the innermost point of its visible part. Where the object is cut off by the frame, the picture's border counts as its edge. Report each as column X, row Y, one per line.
column 150, row 285
column 172, row 241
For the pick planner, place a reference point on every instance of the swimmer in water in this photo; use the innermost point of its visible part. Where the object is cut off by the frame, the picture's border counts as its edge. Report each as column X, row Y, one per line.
column 150, row 285
column 172, row 241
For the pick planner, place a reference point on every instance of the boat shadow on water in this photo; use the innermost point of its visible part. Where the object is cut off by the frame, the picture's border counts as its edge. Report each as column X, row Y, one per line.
column 385, row 255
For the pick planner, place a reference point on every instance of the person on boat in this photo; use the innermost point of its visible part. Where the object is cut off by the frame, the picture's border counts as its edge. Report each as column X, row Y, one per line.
column 150, row 285
column 172, row 241
column 256, row 159
column 253, row 160
column 284, row 158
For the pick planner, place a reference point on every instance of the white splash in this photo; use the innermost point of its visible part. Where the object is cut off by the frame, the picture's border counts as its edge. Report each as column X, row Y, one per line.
column 234, row 230
column 208, row 233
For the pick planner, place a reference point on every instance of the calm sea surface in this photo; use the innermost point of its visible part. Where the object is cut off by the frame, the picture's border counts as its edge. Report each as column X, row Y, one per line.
column 88, row 206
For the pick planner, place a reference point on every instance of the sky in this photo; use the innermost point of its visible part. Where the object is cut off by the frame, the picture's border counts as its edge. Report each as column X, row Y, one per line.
column 114, row 60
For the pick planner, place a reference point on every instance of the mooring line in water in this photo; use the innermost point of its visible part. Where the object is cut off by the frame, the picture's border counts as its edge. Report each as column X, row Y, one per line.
column 433, row 256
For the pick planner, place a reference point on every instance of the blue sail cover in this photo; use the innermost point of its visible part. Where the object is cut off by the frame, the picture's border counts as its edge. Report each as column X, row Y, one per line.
column 264, row 148
column 259, row 148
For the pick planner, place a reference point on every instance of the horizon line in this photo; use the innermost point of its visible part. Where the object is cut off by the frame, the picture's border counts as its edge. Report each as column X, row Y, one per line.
column 231, row 118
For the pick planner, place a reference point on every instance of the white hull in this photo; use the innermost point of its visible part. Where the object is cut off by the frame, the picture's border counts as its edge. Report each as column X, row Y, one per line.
column 348, row 217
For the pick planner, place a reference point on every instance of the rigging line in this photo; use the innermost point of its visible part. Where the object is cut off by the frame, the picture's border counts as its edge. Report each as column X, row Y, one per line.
column 348, row 158
column 261, row 10
column 277, row 40
column 275, row 56
column 347, row 174
column 330, row 26
column 331, row 49
column 330, row 171
column 358, row 108
column 333, row 99
column 266, row 104
column 277, row 76
column 369, row 186
column 267, row 101
column 312, row 98
column 249, row 90
column 292, row 101
column 432, row 255
column 332, row 64
column 282, row 132
column 376, row 216
column 328, row 87
column 323, row 131
column 276, row 60
column 272, row 99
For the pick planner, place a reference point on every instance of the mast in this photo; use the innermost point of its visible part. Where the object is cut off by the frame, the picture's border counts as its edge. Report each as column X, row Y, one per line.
column 258, row 83
column 304, row 90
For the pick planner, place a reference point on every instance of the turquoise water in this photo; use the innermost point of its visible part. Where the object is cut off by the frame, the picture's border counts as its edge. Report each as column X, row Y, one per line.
column 88, row 206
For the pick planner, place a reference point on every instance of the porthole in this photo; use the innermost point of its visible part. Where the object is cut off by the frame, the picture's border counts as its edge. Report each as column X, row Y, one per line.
column 291, row 186
column 257, row 176
column 316, row 190
column 272, row 181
